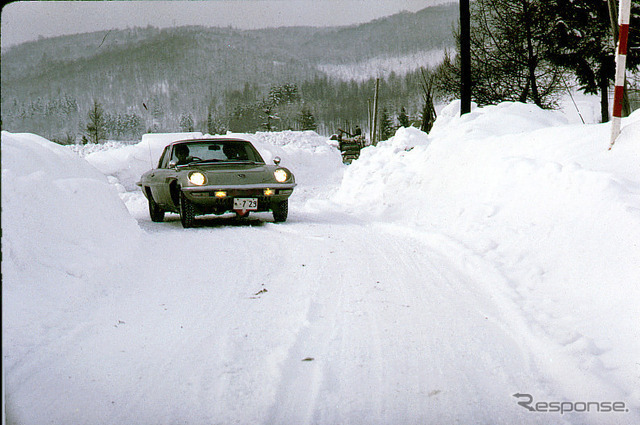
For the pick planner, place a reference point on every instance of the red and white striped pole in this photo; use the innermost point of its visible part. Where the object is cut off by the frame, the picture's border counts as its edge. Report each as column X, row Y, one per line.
column 621, row 66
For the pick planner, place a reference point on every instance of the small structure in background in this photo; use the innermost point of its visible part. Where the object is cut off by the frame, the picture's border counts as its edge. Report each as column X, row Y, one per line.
column 350, row 145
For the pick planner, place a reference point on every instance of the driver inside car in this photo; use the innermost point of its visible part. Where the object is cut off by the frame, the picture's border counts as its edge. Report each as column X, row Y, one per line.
column 182, row 154
column 233, row 153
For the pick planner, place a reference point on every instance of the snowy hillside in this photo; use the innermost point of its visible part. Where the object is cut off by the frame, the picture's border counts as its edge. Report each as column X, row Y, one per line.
column 428, row 282
column 45, row 83
column 382, row 67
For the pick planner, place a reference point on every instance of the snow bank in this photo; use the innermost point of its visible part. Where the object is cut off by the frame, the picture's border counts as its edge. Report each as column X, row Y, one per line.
column 127, row 163
column 544, row 201
column 65, row 233
column 315, row 163
column 52, row 201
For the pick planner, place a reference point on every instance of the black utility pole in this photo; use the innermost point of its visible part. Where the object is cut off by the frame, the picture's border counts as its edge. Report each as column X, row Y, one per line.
column 465, row 57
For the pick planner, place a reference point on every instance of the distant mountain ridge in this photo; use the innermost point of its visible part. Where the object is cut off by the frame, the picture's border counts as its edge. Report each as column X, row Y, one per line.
column 161, row 73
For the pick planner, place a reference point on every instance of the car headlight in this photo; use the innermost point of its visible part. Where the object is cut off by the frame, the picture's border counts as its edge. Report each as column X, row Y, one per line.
column 281, row 175
column 197, row 178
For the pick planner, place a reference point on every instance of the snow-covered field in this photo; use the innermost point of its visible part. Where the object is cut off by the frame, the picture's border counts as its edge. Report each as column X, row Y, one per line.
column 430, row 281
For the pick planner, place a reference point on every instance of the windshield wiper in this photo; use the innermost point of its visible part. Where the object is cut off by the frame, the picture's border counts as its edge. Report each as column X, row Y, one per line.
column 223, row 161
column 203, row 161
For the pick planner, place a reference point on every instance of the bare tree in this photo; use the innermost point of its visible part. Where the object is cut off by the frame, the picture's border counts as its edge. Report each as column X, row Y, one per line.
column 508, row 53
column 428, row 109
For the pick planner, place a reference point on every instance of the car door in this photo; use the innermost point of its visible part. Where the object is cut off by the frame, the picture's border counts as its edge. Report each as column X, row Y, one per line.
column 160, row 178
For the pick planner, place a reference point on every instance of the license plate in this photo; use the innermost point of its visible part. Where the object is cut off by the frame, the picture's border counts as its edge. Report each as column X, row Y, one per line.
column 248, row 204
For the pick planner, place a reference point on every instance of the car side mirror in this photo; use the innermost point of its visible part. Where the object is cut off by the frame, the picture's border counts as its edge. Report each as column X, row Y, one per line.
column 173, row 164
column 277, row 160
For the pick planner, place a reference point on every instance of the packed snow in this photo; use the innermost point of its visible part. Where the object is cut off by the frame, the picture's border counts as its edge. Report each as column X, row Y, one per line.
column 430, row 281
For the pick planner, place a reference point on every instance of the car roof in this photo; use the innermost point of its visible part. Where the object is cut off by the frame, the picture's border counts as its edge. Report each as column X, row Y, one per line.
column 210, row 139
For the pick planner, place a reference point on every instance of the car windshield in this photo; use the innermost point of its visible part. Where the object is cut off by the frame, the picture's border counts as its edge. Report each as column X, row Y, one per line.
column 215, row 151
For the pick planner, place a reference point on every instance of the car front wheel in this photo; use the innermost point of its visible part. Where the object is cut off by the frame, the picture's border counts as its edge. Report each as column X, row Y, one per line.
column 187, row 212
column 156, row 213
column 281, row 211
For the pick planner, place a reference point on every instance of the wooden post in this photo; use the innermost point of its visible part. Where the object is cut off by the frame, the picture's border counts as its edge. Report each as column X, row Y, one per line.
column 370, row 120
column 374, row 139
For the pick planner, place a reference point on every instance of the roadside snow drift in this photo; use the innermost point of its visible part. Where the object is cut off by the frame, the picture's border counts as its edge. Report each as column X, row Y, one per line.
column 547, row 204
column 58, row 211
column 127, row 163
column 66, row 236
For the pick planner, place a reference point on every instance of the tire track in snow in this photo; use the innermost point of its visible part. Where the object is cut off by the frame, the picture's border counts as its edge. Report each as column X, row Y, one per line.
column 394, row 334
column 554, row 374
column 372, row 363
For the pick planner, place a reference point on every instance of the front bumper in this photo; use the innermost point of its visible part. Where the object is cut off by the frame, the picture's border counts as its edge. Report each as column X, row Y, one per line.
column 205, row 200
column 261, row 186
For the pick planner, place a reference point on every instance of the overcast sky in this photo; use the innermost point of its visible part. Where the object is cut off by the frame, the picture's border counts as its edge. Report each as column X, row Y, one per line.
column 27, row 20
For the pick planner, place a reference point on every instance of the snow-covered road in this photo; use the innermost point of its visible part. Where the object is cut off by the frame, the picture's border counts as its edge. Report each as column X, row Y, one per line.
column 325, row 319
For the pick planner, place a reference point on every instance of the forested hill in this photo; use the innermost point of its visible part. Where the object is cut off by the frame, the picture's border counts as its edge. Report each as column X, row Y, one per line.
column 160, row 75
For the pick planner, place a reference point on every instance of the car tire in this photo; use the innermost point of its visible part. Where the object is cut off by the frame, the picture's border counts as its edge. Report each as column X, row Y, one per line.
column 156, row 213
column 281, row 211
column 187, row 212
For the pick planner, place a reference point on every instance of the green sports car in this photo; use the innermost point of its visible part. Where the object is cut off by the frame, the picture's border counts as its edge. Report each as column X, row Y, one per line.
column 215, row 176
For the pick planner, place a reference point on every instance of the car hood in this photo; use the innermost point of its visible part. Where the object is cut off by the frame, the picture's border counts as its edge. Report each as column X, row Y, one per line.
column 228, row 174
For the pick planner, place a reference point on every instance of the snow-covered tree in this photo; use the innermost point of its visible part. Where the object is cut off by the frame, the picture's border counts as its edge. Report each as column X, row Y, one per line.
column 403, row 118
column 306, row 120
column 386, row 125
column 267, row 114
column 96, row 123
column 186, row 123
column 580, row 40
column 286, row 93
column 214, row 124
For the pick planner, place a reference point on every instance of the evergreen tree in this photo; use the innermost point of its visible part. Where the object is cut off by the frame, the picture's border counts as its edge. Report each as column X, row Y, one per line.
column 96, row 123
column 403, row 118
column 186, row 123
column 213, row 124
column 134, row 126
column 386, row 125
column 580, row 40
column 306, row 120
column 267, row 115
column 245, row 119
column 211, row 128
column 287, row 93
